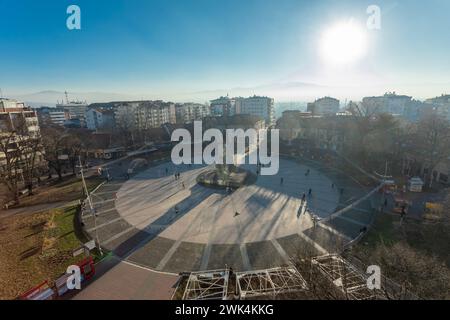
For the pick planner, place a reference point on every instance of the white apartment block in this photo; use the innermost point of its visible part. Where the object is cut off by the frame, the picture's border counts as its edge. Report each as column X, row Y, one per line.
column 143, row 115
column 75, row 110
column 12, row 111
column 52, row 116
column 190, row 112
column 388, row 103
column 441, row 105
column 99, row 119
column 324, row 106
column 223, row 106
column 262, row 107
column 15, row 116
column 58, row 117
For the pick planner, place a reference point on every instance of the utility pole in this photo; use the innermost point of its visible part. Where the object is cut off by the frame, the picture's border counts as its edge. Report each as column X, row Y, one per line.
column 91, row 207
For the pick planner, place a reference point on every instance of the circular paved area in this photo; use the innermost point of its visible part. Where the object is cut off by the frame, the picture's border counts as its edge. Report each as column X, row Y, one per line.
column 154, row 221
column 266, row 210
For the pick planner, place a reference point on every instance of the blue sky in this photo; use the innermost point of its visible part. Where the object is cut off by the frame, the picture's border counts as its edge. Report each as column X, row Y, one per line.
column 174, row 49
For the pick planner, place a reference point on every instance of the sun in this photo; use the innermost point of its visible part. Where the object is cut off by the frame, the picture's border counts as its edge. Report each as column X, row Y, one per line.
column 344, row 43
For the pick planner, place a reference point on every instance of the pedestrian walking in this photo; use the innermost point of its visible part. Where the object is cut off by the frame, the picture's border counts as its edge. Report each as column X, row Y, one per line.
column 309, row 191
column 303, row 197
column 281, row 181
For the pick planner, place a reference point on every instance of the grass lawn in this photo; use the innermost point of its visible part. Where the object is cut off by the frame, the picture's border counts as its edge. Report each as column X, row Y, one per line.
column 66, row 190
column 428, row 238
column 383, row 230
column 35, row 248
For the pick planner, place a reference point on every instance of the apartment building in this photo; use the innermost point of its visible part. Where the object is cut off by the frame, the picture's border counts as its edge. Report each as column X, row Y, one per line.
column 143, row 115
column 440, row 105
column 190, row 112
column 262, row 107
column 18, row 125
column 51, row 116
column 324, row 132
column 388, row 103
column 223, row 106
column 324, row 106
column 100, row 119
column 75, row 109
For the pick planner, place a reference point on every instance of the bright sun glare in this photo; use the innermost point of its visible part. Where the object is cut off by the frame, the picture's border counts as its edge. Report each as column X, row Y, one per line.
column 343, row 43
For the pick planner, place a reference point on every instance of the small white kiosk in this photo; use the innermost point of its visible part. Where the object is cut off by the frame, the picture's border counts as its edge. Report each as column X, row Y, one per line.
column 415, row 184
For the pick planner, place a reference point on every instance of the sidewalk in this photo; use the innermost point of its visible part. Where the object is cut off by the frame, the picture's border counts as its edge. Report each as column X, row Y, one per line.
column 36, row 208
column 120, row 280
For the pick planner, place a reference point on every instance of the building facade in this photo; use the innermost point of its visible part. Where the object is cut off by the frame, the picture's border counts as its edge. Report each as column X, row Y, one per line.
column 75, row 109
column 51, row 116
column 388, row 103
column 100, row 119
column 143, row 115
column 262, row 107
column 324, row 106
column 190, row 112
column 223, row 106
column 19, row 130
column 440, row 105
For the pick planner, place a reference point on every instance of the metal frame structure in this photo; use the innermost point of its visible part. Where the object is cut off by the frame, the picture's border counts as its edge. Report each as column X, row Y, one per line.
column 346, row 277
column 207, row 285
column 269, row 282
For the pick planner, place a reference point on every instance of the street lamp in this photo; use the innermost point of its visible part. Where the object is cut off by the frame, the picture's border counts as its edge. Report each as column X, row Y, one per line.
column 91, row 207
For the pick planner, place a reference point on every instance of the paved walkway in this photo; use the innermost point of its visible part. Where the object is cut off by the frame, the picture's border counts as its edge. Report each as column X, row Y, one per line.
column 36, row 208
column 125, row 281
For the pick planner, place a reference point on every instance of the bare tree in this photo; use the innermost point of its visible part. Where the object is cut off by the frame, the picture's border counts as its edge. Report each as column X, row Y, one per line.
column 9, row 166
column 54, row 140
column 74, row 148
column 29, row 147
column 415, row 271
column 126, row 123
column 20, row 148
column 432, row 143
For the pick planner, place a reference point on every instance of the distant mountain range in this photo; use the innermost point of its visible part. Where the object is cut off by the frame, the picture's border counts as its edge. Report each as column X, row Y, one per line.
column 281, row 91
column 289, row 91
column 51, row 97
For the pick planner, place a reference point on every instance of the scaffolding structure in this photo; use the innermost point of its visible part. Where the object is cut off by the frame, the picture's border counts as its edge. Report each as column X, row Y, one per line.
column 269, row 282
column 207, row 285
column 346, row 277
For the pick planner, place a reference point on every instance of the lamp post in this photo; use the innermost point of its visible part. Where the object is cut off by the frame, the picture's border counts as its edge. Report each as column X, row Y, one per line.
column 91, row 207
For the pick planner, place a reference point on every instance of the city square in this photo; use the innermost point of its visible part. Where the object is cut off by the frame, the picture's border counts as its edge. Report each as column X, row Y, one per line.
column 175, row 224
column 225, row 150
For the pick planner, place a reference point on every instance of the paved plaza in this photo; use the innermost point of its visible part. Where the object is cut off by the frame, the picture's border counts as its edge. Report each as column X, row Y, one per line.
column 173, row 225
